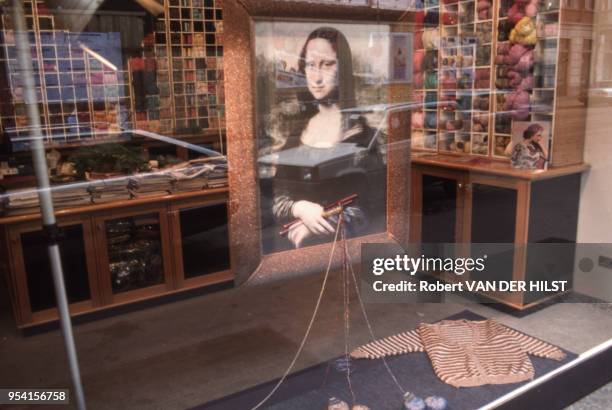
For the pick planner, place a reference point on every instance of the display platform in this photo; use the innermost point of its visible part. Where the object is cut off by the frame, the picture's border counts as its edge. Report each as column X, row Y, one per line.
column 311, row 388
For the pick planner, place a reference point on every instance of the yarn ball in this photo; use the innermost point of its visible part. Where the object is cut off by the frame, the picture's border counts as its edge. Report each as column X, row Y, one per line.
column 518, row 103
column 483, row 5
column 418, row 40
column 337, row 404
column 516, row 52
column 417, row 119
column 431, row 38
column 436, row 403
column 419, row 17
column 531, row 10
column 525, row 63
column 526, row 83
column 431, row 19
column 482, row 119
column 417, row 80
column 449, row 83
column 430, row 62
column 503, row 48
column 430, row 120
column 415, row 403
column 449, row 18
column 431, row 81
column 418, row 138
column 483, row 73
column 515, row 13
column 524, row 32
column 417, row 61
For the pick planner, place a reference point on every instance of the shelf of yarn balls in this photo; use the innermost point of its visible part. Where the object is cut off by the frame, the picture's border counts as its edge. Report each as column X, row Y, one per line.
column 469, row 24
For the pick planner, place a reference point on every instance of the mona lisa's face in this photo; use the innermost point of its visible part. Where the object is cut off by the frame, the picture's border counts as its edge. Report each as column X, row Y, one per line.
column 321, row 66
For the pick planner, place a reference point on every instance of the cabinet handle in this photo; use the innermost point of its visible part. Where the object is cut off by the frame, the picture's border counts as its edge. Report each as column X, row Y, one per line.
column 460, row 185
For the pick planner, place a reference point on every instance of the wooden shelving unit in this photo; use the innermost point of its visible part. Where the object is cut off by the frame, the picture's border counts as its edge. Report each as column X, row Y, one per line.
column 464, row 54
column 187, row 47
column 83, row 98
column 468, row 49
column 80, row 97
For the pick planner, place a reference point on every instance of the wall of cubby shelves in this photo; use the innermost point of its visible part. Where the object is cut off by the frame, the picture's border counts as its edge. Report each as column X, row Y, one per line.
column 457, row 44
column 176, row 87
column 476, row 75
column 537, row 71
column 80, row 97
column 187, row 47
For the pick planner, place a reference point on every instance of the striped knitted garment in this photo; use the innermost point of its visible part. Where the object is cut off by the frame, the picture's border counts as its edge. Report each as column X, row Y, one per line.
column 467, row 353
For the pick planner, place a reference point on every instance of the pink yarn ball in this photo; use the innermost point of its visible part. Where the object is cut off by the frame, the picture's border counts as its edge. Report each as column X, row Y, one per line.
column 417, row 61
column 531, row 10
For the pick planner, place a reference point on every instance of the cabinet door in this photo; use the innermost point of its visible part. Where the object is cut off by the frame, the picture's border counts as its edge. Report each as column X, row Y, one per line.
column 201, row 244
column 498, row 219
column 32, row 270
column 437, row 206
column 133, row 252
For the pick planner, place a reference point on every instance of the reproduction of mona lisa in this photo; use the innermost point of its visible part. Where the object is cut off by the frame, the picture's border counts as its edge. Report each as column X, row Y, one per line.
column 321, row 143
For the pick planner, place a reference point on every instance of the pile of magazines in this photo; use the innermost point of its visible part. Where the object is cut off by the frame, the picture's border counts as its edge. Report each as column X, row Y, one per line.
column 194, row 175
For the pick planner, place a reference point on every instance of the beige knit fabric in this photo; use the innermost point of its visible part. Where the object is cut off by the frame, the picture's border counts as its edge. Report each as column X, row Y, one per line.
column 467, row 353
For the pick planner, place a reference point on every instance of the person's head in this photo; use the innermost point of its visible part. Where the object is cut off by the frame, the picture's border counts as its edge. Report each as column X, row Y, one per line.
column 533, row 133
column 325, row 61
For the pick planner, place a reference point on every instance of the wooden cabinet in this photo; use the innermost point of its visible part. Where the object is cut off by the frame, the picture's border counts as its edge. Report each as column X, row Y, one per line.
column 117, row 253
column 471, row 204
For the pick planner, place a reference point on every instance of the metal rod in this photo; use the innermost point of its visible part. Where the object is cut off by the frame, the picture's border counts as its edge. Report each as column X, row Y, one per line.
column 44, row 194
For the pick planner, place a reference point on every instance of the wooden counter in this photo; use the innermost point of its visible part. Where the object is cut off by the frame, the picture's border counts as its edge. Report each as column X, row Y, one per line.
column 493, row 167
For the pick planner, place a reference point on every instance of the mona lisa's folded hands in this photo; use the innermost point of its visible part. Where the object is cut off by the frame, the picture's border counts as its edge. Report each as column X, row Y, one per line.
column 311, row 215
column 297, row 234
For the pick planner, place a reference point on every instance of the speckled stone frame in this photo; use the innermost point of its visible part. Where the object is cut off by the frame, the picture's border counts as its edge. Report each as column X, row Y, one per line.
column 248, row 262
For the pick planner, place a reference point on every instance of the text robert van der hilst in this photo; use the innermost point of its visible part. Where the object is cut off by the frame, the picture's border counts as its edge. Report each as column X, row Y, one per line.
column 459, row 266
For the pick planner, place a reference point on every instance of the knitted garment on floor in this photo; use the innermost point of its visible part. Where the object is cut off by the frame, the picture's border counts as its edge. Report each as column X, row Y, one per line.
column 467, row 353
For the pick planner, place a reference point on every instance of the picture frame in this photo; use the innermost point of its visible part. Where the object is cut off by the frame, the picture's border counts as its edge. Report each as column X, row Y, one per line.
column 400, row 67
column 248, row 261
column 518, row 132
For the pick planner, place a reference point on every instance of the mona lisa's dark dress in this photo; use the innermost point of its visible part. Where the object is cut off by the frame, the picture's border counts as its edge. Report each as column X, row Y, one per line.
column 356, row 165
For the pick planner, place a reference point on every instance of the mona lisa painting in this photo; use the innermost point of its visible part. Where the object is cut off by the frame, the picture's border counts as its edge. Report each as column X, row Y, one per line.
column 321, row 141
column 318, row 131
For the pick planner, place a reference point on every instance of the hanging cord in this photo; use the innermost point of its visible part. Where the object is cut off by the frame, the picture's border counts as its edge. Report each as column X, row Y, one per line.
column 367, row 320
column 373, row 337
column 312, row 319
column 347, row 317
